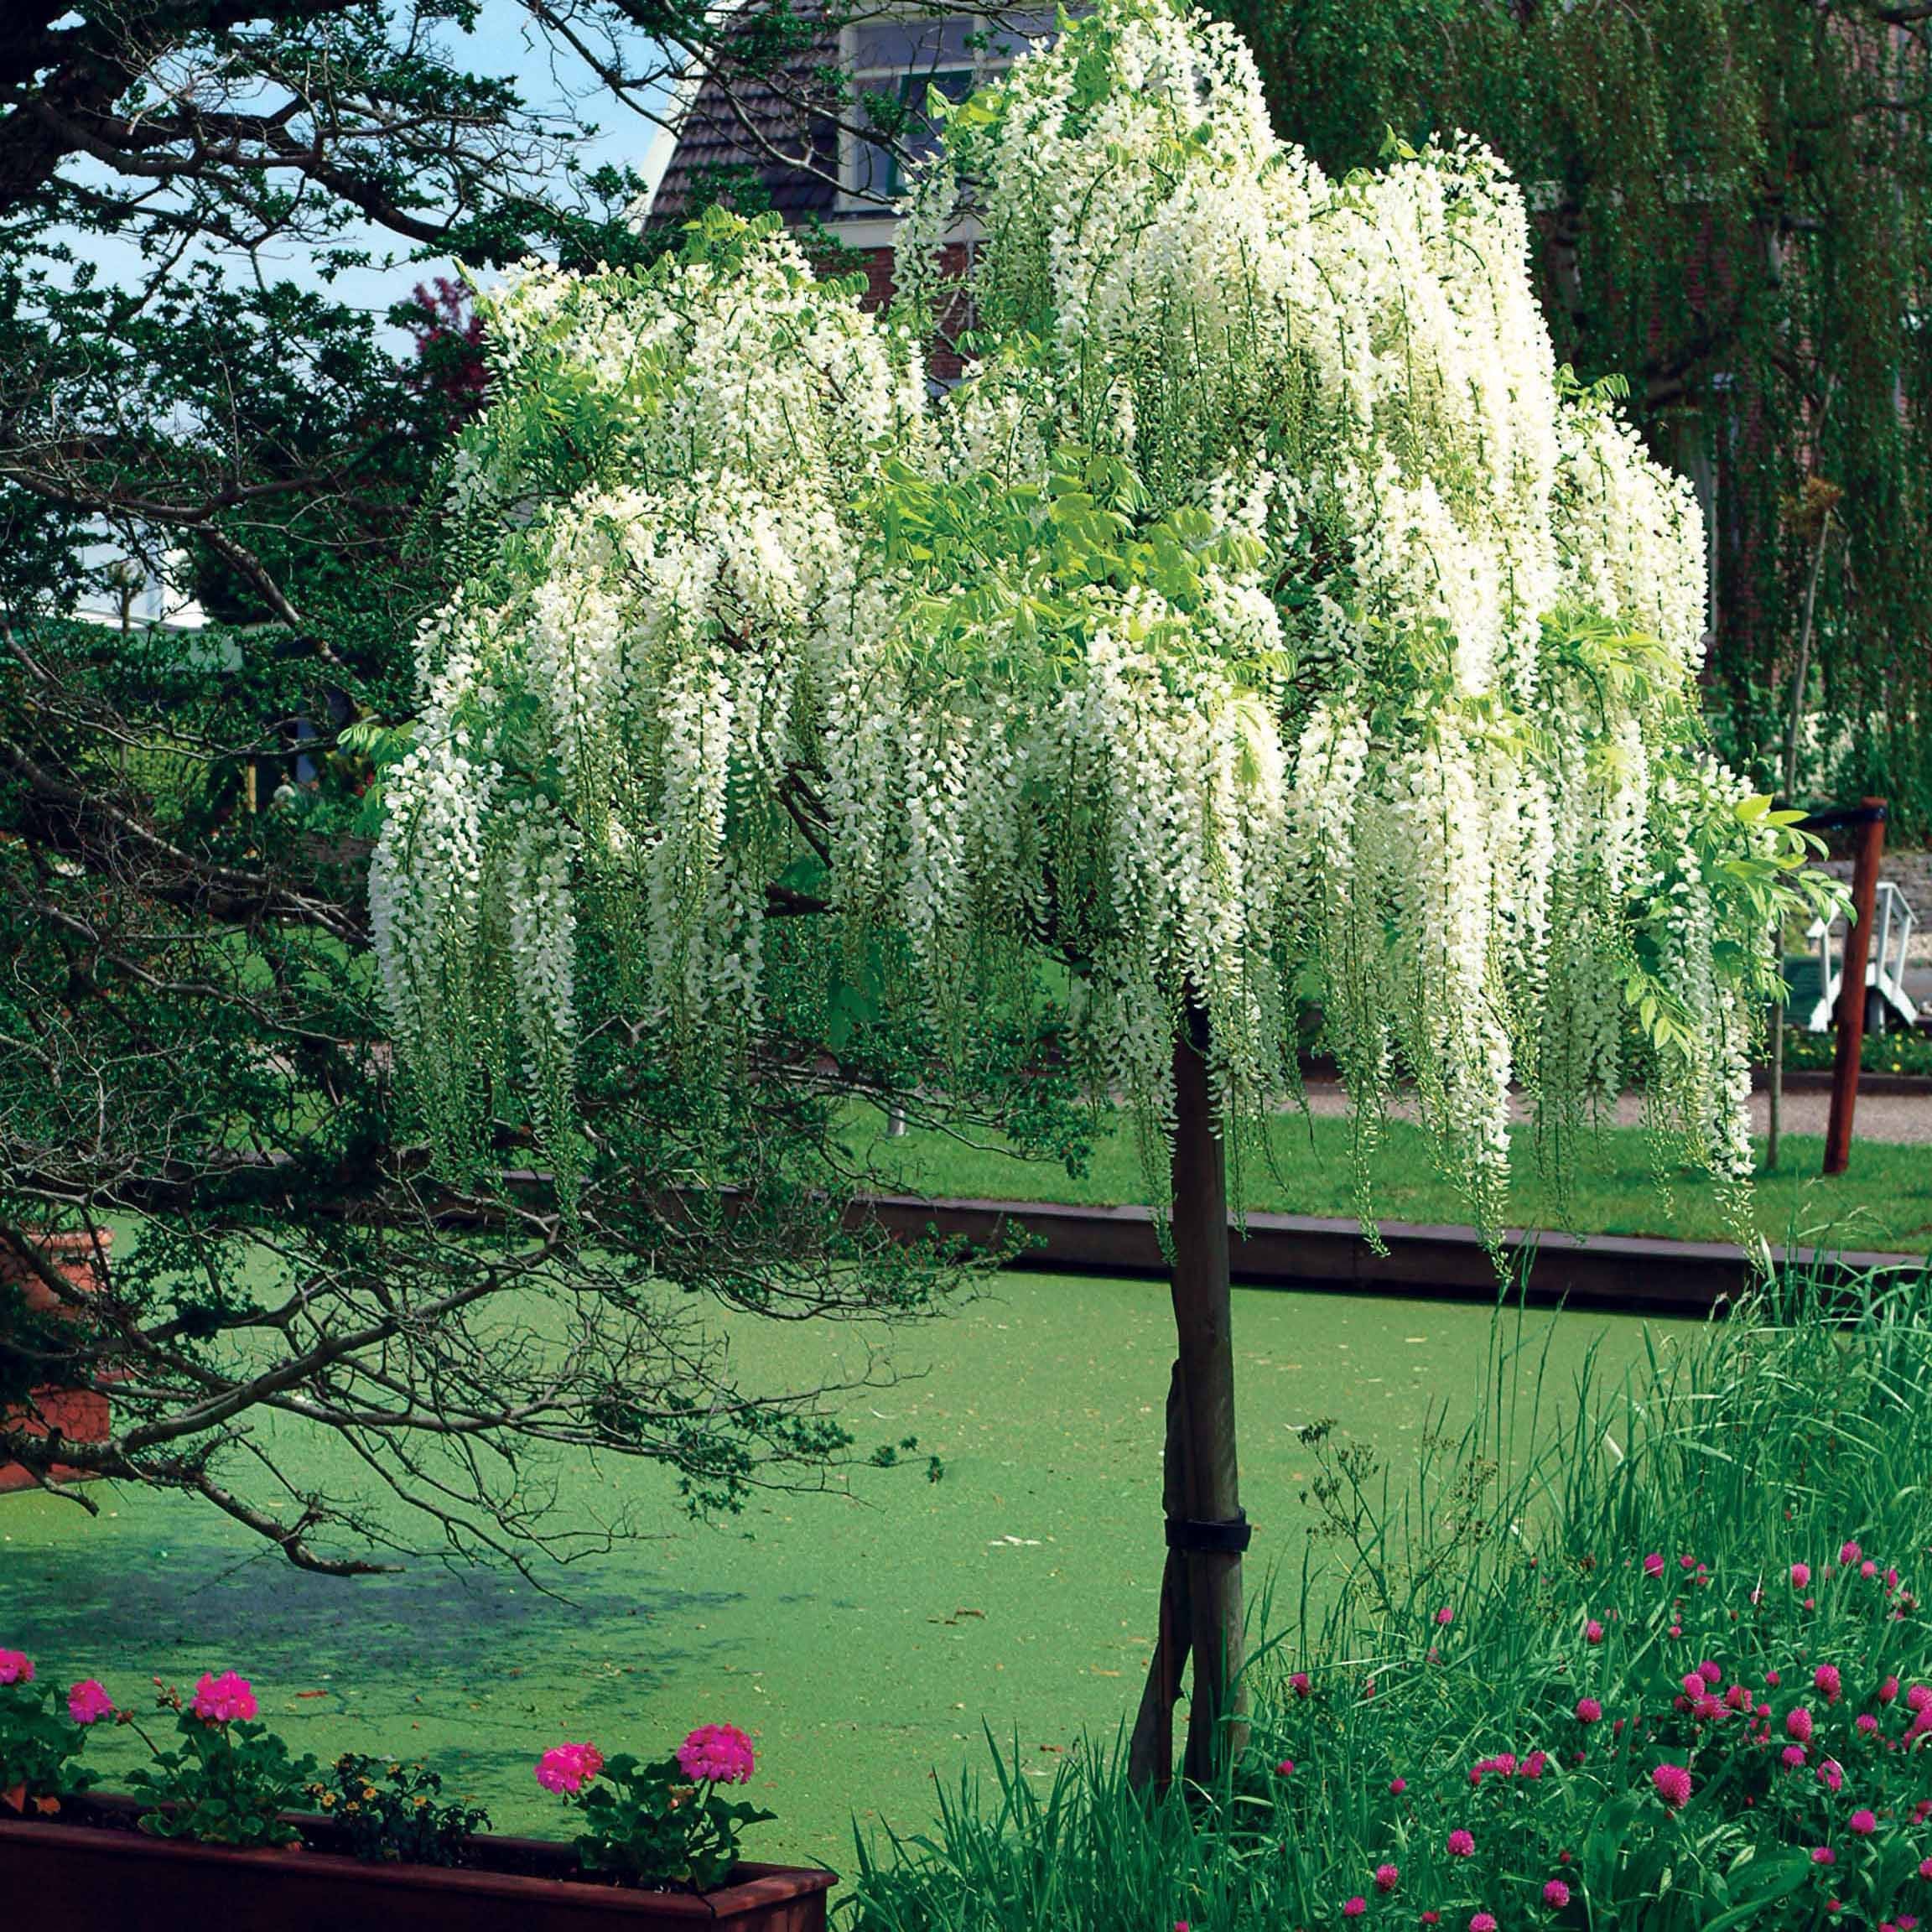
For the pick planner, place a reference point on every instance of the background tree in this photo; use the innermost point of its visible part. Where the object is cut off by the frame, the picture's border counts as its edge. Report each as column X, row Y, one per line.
column 190, row 1056
column 1265, row 616
column 1728, row 209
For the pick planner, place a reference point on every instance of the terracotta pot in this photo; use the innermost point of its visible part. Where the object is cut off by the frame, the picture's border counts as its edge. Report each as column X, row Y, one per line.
column 80, row 1414
column 104, row 1877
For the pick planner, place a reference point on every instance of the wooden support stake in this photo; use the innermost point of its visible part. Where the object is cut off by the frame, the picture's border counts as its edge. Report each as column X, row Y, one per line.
column 1852, row 985
column 1203, row 1326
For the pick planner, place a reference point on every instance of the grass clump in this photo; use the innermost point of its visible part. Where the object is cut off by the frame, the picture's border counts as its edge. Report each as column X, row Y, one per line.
column 1669, row 1671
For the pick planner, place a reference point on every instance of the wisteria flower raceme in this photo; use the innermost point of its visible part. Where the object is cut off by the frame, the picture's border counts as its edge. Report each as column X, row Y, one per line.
column 790, row 563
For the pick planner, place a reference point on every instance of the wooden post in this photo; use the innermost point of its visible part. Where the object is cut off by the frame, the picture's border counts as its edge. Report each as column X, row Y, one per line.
column 1150, row 1752
column 1871, row 822
column 1204, row 1333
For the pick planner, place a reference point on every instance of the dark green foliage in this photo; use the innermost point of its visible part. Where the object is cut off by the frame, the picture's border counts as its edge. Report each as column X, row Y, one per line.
column 225, row 1783
column 653, row 1823
column 38, row 1742
column 395, row 1812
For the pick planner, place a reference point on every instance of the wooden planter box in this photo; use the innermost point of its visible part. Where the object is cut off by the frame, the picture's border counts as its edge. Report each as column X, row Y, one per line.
column 80, row 1414
column 106, row 1877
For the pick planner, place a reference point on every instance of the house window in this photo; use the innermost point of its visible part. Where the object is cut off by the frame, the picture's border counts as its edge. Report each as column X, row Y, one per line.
column 894, row 60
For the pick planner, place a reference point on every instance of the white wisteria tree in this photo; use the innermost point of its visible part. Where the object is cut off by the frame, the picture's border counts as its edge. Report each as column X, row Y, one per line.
column 1263, row 617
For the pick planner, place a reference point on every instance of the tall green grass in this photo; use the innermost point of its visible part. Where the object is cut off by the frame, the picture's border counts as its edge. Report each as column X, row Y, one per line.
column 1483, row 1594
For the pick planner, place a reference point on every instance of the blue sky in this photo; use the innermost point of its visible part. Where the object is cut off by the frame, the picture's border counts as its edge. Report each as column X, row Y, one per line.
column 505, row 43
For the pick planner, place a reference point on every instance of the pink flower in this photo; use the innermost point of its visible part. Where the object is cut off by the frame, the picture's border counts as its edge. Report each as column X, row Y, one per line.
column 1794, row 1756
column 1889, row 1690
column 1588, row 1711
column 1593, row 1631
column 1830, row 1685
column 88, row 1701
column 720, row 1753
column 1925, row 1867
column 1831, row 1775
column 1653, row 1564
column 1355, row 1907
column 1693, row 1683
column 1461, row 1843
column 569, row 1767
column 1299, row 1684
column 218, row 1700
column 1286, row 1769
column 1918, row 1698
column 16, row 1667
column 1482, row 1922
column 1445, row 1616
column 1711, row 1673
column 1800, row 1575
column 1387, row 1878
column 1431, row 1917
column 1823, row 1854
column 1397, row 1786
column 1849, row 1552
column 1672, row 1783
column 1556, row 1894
column 1865, row 1723
column 1798, row 1724
column 1864, row 1823
column 1867, row 1569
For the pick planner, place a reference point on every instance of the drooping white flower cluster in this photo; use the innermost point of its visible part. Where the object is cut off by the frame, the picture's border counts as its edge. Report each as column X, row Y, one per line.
column 1263, row 611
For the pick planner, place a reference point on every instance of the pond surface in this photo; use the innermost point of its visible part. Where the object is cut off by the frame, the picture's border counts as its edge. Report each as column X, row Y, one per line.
column 863, row 1639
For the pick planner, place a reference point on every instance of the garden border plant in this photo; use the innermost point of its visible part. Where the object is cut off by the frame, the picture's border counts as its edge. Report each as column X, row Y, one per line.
column 1663, row 1669
column 663, row 1836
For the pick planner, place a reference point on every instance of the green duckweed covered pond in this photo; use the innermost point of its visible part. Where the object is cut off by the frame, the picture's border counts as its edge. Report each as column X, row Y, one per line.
column 863, row 1639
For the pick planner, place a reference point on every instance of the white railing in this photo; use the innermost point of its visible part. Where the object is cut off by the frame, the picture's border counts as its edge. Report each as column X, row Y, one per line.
column 1891, row 924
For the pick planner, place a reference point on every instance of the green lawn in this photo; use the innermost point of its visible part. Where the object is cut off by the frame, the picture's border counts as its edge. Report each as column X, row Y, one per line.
column 1885, row 1202
column 862, row 1639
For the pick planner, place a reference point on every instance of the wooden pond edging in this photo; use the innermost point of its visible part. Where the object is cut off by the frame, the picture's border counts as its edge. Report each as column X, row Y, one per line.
column 1617, row 1272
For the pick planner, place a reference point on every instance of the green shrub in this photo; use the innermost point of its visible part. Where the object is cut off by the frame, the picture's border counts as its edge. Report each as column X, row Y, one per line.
column 1509, row 1653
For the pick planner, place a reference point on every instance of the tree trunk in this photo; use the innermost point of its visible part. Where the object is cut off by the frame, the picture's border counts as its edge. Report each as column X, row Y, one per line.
column 1201, row 1589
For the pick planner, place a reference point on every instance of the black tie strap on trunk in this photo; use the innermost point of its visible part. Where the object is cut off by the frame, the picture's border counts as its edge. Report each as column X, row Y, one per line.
column 1193, row 1537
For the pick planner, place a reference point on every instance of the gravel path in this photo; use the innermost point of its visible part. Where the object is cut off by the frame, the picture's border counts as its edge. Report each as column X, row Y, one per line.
column 1905, row 1118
